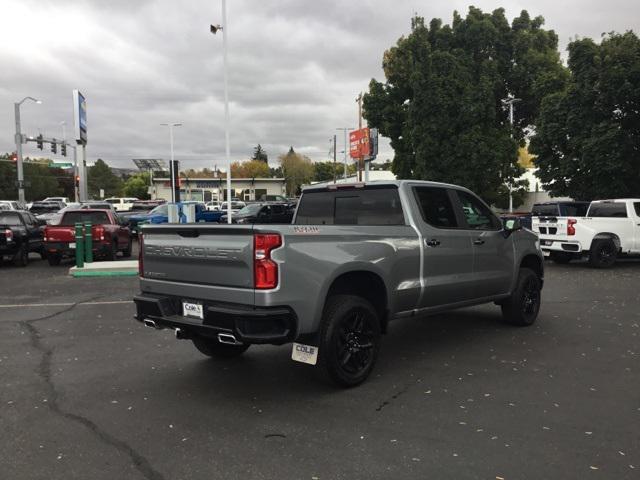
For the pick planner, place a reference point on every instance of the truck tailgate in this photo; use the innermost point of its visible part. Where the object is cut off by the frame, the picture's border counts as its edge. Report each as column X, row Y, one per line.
column 209, row 255
column 60, row 234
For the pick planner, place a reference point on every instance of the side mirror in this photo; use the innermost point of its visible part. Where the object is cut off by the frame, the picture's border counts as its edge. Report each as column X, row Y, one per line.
column 512, row 224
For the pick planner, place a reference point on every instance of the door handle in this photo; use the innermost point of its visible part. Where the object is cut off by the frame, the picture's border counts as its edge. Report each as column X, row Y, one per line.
column 432, row 243
column 478, row 241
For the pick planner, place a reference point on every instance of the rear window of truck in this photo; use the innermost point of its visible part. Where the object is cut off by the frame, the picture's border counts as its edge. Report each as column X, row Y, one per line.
column 96, row 218
column 357, row 206
column 573, row 209
column 609, row 209
column 550, row 210
column 10, row 219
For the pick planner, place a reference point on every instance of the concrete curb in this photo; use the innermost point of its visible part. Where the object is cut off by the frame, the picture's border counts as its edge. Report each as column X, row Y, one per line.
column 123, row 268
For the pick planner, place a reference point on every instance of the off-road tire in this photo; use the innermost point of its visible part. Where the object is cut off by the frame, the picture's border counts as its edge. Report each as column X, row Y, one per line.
column 603, row 253
column 21, row 258
column 522, row 307
column 126, row 253
column 211, row 347
column 349, row 340
column 112, row 254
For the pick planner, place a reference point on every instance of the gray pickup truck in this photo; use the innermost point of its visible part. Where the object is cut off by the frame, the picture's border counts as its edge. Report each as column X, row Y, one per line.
column 355, row 257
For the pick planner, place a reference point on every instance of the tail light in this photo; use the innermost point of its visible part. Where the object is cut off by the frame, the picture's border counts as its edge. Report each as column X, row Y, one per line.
column 8, row 234
column 265, row 270
column 140, row 260
column 571, row 229
column 99, row 233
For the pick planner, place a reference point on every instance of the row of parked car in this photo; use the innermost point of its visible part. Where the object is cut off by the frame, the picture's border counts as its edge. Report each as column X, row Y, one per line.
column 47, row 227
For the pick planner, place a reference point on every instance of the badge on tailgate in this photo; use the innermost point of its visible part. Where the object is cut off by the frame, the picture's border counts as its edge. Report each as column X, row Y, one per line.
column 194, row 310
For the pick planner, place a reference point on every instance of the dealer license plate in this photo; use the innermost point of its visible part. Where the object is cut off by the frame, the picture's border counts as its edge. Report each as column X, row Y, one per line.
column 304, row 353
column 192, row 310
column 72, row 245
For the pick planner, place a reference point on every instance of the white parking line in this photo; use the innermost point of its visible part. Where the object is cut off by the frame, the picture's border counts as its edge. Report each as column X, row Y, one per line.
column 21, row 305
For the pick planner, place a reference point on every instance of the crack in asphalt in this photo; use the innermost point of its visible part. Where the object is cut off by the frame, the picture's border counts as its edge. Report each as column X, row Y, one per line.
column 44, row 371
column 392, row 398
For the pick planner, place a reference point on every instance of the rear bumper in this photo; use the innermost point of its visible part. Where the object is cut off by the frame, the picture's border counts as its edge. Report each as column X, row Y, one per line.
column 273, row 325
column 560, row 245
column 9, row 249
column 62, row 248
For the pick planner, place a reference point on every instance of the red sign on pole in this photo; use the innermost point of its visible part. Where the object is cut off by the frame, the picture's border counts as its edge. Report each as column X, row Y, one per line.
column 359, row 144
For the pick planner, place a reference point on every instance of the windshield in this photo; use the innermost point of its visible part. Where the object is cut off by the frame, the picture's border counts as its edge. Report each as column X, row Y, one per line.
column 160, row 210
column 112, row 201
column 10, row 219
column 249, row 209
column 96, row 218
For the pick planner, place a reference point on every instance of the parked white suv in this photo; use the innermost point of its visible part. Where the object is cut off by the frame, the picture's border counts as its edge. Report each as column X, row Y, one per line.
column 610, row 228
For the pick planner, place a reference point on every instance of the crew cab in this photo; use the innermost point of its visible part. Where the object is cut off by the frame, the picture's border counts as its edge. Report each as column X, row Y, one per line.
column 108, row 235
column 20, row 234
column 609, row 229
column 355, row 257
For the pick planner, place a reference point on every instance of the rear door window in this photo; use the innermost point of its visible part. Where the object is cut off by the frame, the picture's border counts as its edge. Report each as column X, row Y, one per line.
column 573, row 209
column 353, row 206
column 436, row 207
column 608, row 209
column 637, row 208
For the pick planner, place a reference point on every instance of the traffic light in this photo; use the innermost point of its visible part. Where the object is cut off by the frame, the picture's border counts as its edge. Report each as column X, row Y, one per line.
column 39, row 141
column 63, row 149
column 54, row 146
column 78, row 181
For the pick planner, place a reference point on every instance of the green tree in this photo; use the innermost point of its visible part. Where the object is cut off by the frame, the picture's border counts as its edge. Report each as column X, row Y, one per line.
column 587, row 141
column 250, row 169
column 297, row 170
column 100, row 176
column 324, row 171
column 137, row 186
column 441, row 102
column 260, row 154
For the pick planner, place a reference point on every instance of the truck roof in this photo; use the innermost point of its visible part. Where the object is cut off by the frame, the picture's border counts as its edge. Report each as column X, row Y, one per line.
column 397, row 183
column 617, row 200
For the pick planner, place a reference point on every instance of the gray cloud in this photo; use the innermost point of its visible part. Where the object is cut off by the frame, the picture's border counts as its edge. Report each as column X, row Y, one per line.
column 295, row 68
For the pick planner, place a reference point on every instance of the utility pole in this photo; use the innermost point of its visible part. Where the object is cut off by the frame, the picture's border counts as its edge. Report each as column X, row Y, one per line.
column 334, row 157
column 345, row 130
column 214, row 29
column 19, row 142
column 509, row 101
column 361, row 158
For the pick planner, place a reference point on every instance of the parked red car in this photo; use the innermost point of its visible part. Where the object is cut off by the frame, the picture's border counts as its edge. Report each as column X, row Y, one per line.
column 108, row 233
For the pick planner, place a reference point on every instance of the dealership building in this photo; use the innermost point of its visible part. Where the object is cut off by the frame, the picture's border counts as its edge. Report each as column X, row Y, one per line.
column 215, row 189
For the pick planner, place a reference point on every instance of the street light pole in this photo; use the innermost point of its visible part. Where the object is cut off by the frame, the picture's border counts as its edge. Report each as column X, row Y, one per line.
column 18, row 139
column 345, row 130
column 173, row 174
column 214, row 29
column 509, row 101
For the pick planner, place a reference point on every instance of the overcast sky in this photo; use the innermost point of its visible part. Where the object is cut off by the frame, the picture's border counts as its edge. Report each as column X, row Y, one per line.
column 295, row 68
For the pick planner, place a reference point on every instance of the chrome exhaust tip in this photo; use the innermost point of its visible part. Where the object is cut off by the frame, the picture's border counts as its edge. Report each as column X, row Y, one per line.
column 149, row 323
column 228, row 339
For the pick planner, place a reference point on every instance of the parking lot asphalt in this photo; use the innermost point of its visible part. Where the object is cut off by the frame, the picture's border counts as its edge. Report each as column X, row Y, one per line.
column 89, row 393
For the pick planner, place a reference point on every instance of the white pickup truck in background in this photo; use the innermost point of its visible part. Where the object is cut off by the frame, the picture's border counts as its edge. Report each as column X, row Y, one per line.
column 610, row 228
